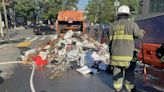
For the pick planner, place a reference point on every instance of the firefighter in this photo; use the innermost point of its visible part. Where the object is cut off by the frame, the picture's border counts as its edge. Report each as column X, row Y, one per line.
column 121, row 42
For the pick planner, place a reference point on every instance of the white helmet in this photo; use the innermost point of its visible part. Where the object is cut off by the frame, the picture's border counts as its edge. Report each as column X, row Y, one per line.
column 124, row 10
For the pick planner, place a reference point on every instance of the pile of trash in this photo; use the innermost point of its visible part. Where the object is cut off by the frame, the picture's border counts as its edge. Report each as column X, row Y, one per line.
column 62, row 51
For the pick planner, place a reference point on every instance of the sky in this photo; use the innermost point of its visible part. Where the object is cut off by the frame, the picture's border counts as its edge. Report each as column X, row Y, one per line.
column 81, row 4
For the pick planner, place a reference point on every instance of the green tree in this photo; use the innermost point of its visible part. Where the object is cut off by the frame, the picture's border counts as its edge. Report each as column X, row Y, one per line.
column 104, row 10
column 100, row 11
column 46, row 9
column 25, row 7
column 70, row 4
column 133, row 4
column 52, row 7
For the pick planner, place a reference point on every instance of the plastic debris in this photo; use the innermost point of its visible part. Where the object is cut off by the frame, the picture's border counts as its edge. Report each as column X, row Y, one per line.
column 39, row 61
column 43, row 54
column 47, row 47
column 69, row 34
column 70, row 51
column 84, row 70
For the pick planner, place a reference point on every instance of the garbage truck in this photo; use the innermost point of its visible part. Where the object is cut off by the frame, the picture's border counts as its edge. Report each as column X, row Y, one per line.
column 70, row 20
column 153, row 40
column 152, row 49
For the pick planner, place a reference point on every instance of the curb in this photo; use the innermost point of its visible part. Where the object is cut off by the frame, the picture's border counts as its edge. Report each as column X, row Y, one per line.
column 3, row 46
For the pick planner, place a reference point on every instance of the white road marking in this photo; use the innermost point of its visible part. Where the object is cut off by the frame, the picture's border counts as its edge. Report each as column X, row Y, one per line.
column 28, row 38
column 34, row 39
column 44, row 37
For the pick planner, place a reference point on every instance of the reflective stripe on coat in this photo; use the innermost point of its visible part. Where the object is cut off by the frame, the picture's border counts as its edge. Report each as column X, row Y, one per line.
column 121, row 41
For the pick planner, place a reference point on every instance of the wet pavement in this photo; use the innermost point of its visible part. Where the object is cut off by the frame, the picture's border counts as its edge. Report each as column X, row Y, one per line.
column 18, row 82
column 71, row 81
column 16, row 78
column 155, row 77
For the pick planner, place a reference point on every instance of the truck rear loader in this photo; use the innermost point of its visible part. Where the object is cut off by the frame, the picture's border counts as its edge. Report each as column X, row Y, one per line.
column 70, row 20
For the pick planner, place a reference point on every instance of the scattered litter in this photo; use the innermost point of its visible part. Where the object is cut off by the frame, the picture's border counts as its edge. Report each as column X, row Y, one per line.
column 30, row 52
column 43, row 54
column 69, row 34
column 56, row 75
column 84, row 70
column 47, row 47
column 39, row 61
column 69, row 51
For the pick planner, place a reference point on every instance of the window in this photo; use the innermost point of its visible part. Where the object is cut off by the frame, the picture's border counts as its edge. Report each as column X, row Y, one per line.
column 156, row 6
column 161, row 6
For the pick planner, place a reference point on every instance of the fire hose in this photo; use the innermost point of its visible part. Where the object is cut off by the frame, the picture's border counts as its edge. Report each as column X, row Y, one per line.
column 32, row 73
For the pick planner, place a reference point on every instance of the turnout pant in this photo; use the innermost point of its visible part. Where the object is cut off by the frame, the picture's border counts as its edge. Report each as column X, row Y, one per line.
column 124, row 77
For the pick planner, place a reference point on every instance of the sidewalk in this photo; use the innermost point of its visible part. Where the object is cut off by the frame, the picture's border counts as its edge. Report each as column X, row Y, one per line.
column 15, row 35
column 12, row 32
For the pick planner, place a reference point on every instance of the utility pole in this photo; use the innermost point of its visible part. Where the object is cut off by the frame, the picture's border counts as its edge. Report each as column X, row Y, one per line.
column 6, row 20
column 1, row 27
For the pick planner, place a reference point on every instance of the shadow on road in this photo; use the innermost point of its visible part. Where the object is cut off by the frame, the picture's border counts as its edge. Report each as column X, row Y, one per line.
column 1, row 80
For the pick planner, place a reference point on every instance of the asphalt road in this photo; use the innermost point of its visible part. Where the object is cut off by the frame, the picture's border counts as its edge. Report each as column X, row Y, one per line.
column 16, row 77
column 9, row 52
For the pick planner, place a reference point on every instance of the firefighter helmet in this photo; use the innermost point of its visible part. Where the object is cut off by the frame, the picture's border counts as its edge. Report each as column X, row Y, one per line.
column 124, row 10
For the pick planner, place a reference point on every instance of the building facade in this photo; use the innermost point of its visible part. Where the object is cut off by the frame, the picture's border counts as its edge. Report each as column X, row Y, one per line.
column 150, row 8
